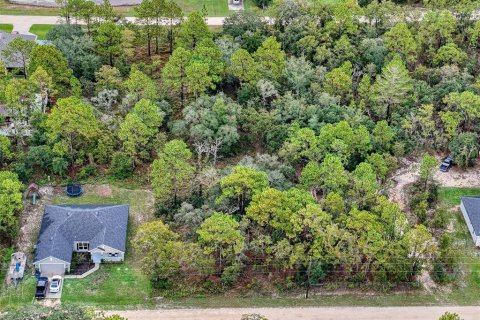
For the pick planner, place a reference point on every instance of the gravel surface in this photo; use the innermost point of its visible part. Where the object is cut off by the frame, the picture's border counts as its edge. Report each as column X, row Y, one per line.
column 340, row 313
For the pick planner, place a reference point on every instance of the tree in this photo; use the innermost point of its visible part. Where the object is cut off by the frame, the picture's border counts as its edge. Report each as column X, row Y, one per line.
column 105, row 11
column 301, row 144
column 364, row 186
column 143, row 13
column 54, row 63
column 5, row 150
column 467, row 104
column 160, row 250
column 240, row 186
column 198, row 79
column 174, row 74
column 242, row 66
column 173, row 13
column 331, row 175
column 108, row 39
column 213, row 120
column 108, row 78
column 139, row 86
column 399, row 40
column 338, row 82
column 72, row 122
column 18, row 52
column 464, row 149
column 43, row 84
column 192, row 31
column 172, row 173
column 449, row 54
column 427, row 167
column 436, row 29
column 299, row 73
column 139, row 129
column 420, row 246
column 392, row 88
column 11, row 203
column 121, row 166
column 19, row 98
column 270, row 59
column 285, row 211
column 383, row 135
column 220, row 235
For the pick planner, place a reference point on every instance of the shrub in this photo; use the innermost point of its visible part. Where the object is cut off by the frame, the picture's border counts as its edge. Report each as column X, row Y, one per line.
column 253, row 316
column 464, row 149
column 121, row 166
column 87, row 171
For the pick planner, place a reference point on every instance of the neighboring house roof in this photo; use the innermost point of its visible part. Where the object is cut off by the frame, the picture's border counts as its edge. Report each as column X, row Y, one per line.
column 472, row 207
column 63, row 225
column 6, row 38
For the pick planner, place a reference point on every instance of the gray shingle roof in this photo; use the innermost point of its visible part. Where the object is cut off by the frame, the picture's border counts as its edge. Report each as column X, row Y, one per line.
column 62, row 225
column 6, row 38
column 472, row 207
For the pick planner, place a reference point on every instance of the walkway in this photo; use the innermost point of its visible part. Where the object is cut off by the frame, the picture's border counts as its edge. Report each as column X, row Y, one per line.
column 327, row 313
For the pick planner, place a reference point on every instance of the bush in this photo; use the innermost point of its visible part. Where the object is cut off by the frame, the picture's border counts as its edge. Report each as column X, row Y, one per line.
column 464, row 149
column 253, row 316
column 230, row 275
column 87, row 171
column 121, row 166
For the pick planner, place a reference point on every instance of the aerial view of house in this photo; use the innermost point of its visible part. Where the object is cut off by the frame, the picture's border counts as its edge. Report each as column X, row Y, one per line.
column 99, row 230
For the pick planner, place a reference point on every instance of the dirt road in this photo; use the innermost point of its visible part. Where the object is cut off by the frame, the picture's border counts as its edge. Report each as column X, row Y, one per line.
column 333, row 313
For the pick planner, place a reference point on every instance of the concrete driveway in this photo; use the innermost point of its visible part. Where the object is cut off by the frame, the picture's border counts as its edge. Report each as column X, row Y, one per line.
column 56, row 295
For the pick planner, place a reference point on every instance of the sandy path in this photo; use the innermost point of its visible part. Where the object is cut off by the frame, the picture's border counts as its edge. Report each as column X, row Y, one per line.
column 333, row 313
column 406, row 175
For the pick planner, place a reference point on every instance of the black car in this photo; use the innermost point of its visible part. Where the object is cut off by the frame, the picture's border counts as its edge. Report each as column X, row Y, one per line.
column 446, row 164
column 41, row 290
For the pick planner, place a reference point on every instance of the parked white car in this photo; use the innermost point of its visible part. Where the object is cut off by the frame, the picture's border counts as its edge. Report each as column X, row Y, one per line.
column 55, row 284
column 236, row 2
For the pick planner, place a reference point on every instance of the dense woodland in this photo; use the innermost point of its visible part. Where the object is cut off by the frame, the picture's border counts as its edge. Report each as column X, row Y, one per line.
column 268, row 145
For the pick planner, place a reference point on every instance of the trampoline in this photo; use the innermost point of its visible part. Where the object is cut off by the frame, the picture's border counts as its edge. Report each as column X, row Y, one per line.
column 73, row 190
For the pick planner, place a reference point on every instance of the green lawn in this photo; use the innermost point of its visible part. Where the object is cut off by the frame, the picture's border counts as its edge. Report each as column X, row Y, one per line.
column 11, row 297
column 6, row 27
column 451, row 196
column 41, row 30
column 111, row 286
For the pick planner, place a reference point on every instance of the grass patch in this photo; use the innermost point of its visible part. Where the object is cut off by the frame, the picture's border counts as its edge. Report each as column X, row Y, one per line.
column 451, row 196
column 41, row 30
column 11, row 297
column 6, row 27
column 111, row 286
column 377, row 300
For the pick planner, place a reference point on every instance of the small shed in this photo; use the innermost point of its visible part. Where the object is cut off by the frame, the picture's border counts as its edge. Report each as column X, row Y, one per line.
column 470, row 207
column 16, row 268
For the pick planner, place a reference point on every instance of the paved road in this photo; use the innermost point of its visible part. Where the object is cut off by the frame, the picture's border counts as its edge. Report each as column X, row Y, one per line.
column 340, row 313
column 23, row 23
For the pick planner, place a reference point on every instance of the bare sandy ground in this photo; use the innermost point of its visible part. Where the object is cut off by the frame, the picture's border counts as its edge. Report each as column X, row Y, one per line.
column 457, row 177
column 340, row 313
column 408, row 173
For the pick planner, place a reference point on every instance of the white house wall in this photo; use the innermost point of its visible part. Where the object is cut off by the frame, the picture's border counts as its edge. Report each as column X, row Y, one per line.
column 99, row 255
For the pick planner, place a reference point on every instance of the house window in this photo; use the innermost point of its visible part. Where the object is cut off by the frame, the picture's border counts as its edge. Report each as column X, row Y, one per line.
column 82, row 246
